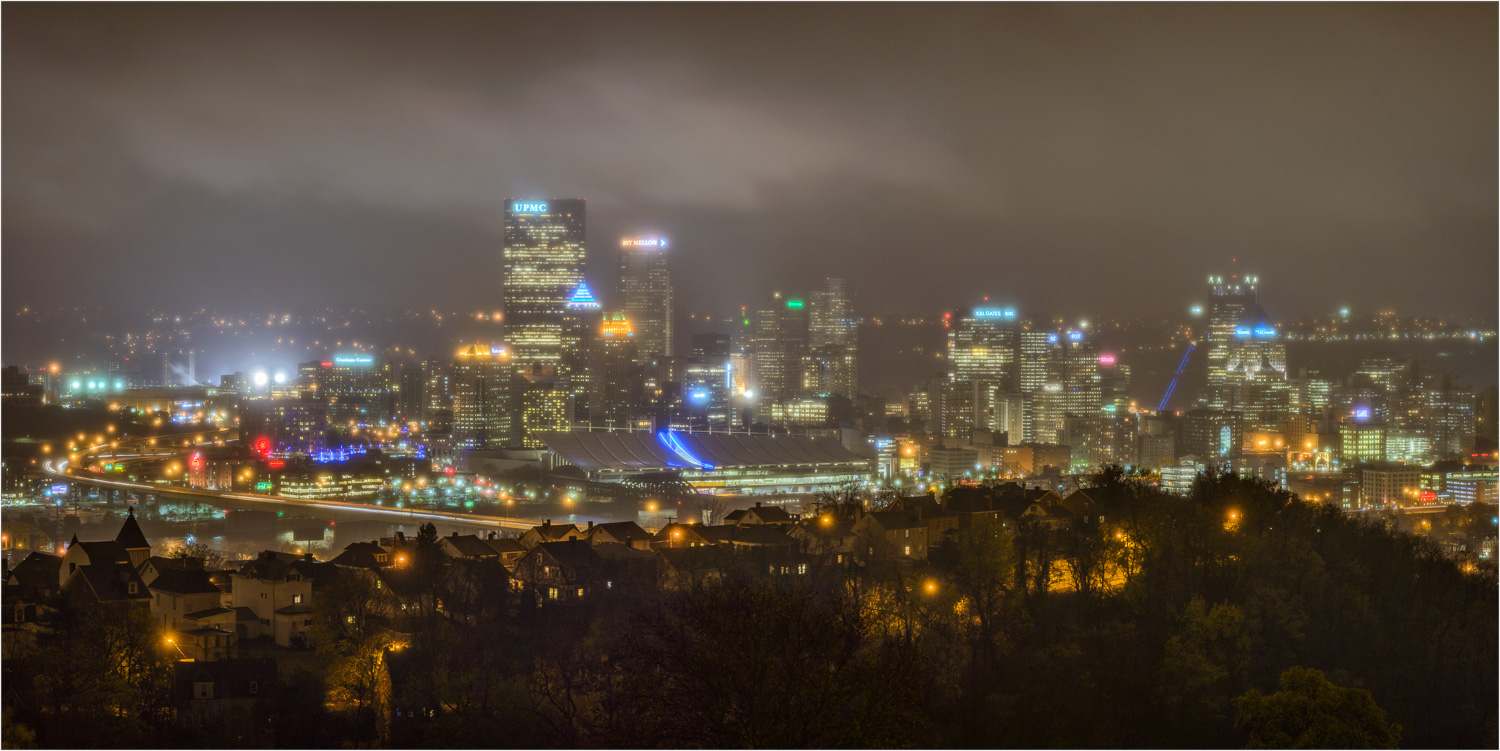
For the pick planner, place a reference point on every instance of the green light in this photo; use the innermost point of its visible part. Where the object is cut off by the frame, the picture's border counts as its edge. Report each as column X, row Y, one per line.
column 794, row 303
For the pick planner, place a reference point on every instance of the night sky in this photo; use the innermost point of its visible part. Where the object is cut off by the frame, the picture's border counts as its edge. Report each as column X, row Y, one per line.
column 1081, row 159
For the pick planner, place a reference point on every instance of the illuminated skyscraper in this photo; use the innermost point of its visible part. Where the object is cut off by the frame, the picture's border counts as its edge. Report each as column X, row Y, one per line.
column 778, row 344
column 832, row 336
column 544, row 255
column 484, row 401
column 1255, row 373
column 614, row 378
column 581, row 317
column 981, row 358
column 646, row 288
column 1233, row 304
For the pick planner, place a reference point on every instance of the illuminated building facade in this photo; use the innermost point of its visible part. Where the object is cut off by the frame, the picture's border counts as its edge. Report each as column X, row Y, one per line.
column 832, row 335
column 1097, row 440
column 614, row 382
column 581, row 319
column 1255, row 373
column 356, row 387
column 1081, row 381
column 800, row 412
column 1390, row 485
column 1231, row 305
column 981, row 358
column 544, row 256
column 1114, row 384
column 1361, row 441
column 1034, row 358
column 1213, row 436
column 646, row 288
column 437, row 391
column 544, row 407
column 778, row 344
column 484, row 380
column 285, row 428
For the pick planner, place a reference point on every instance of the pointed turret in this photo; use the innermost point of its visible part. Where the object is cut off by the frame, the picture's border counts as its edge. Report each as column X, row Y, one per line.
column 133, row 540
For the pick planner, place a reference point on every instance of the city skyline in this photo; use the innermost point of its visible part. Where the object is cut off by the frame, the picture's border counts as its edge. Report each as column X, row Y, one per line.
column 253, row 189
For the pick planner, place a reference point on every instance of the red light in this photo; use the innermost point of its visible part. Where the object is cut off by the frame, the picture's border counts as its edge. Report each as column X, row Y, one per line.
column 276, row 464
column 196, row 461
column 263, row 445
column 327, row 363
column 1428, row 495
column 947, row 315
column 332, row 523
column 448, row 471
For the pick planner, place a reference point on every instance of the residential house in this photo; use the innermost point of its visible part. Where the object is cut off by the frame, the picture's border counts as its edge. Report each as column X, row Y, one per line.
column 277, row 590
column 759, row 514
column 185, row 601
column 549, row 532
column 574, row 569
column 224, row 692
column 626, row 533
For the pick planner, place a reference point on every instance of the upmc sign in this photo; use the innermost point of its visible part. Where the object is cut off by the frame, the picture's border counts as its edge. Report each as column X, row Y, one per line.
column 529, row 207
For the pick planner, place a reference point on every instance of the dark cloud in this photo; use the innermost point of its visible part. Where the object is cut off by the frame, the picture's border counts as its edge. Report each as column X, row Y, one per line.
column 1087, row 158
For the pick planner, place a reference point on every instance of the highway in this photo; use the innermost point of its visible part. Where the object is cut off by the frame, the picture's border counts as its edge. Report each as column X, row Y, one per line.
column 236, row 499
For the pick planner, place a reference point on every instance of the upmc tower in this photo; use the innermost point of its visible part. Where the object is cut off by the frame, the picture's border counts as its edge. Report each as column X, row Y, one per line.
column 544, row 252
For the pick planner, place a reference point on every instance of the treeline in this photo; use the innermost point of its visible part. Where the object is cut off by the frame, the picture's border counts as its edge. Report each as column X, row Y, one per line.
column 1237, row 616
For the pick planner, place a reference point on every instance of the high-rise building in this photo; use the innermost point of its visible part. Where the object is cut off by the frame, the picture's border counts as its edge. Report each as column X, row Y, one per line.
column 581, row 318
column 1255, row 375
column 1231, row 305
column 1361, row 442
column 484, row 403
column 1097, row 440
column 544, row 407
column 358, row 389
column 1081, row 382
column 285, row 428
column 1114, row 384
column 1215, row 437
column 830, row 318
column 544, row 256
column 1034, row 357
column 778, row 344
column 437, row 391
column 411, row 399
column 708, row 383
column 614, row 382
column 646, row 289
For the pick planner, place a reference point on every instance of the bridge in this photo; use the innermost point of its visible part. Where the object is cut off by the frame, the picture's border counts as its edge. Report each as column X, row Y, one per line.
column 229, row 499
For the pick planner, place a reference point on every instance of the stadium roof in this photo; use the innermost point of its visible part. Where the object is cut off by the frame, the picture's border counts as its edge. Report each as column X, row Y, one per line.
column 645, row 451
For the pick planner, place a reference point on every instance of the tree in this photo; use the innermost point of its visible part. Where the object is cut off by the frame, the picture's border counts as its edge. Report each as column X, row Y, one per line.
column 1311, row 712
column 199, row 551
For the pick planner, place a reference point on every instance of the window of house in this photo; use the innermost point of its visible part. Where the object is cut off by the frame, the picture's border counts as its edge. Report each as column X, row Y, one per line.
column 908, row 550
column 132, row 588
column 908, row 533
column 379, row 584
column 262, row 595
column 609, row 585
column 580, row 591
column 254, row 687
column 351, row 619
column 840, row 558
column 380, row 557
column 203, row 690
column 297, row 599
column 802, row 568
column 552, row 593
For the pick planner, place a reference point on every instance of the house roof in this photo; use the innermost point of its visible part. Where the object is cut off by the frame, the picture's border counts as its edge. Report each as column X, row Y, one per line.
column 618, row 551
column 554, row 532
column 106, row 551
column 36, row 572
column 130, row 535
column 208, row 613
column 505, row 545
column 183, row 581
column 231, row 678
column 766, row 514
column 361, row 555
column 702, row 558
column 299, row 609
column 110, row 582
column 620, row 531
column 573, row 554
column 470, row 546
column 897, row 519
column 756, row 534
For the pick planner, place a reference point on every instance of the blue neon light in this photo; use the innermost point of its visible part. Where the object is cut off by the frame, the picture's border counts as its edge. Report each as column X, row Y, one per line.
column 1265, row 332
column 1076, row 336
column 670, row 440
column 583, row 298
column 698, row 396
column 1242, row 331
column 529, row 207
column 1361, row 413
column 353, row 359
column 1052, row 338
column 994, row 313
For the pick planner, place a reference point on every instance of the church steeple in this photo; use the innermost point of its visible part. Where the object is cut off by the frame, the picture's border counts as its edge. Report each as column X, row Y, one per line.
column 133, row 540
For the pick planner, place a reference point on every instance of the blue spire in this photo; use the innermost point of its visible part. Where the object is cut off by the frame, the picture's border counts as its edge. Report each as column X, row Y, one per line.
column 583, row 298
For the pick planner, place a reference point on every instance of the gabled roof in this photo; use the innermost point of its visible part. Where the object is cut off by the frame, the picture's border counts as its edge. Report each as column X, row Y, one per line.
column 898, row 519
column 617, row 551
column 362, row 555
column 36, row 573
column 555, row 532
column 107, row 551
column 621, row 531
column 758, row 534
column 702, row 558
column 470, row 546
column 505, row 545
column 766, row 514
column 130, row 536
column 208, row 613
column 574, row 554
column 183, row 581
column 109, row 582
